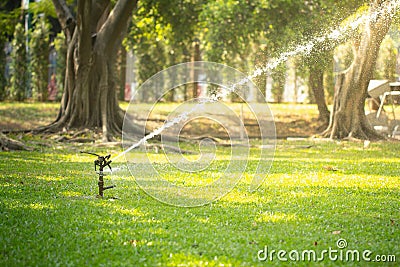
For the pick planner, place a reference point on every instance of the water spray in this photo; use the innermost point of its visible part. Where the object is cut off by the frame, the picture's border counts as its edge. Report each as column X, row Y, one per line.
column 175, row 193
column 302, row 49
column 101, row 162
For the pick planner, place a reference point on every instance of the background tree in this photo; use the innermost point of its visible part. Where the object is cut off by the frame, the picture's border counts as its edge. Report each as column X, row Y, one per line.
column 61, row 50
column 235, row 31
column 162, row 34
column 3, row 79
column 93, row 37
column 39, row 49
column 321, row 78
column 278, row 76
column 9, row 13
column 386, row 63
column 19, row 65
column 348, row 116
column 317, row 89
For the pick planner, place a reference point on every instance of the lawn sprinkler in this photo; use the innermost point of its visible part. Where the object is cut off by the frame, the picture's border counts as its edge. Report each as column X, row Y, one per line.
column 101, row 162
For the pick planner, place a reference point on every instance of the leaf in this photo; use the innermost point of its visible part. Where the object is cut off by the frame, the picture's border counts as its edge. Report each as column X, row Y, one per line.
column 330, row 168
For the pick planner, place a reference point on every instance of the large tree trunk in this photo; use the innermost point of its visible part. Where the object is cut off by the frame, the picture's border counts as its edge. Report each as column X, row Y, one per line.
column 348, row 118
column 93, row 38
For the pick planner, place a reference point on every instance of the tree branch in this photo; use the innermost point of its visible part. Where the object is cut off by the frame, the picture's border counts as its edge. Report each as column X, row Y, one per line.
column 116, row 24
column 100, row 11
column 65, row 17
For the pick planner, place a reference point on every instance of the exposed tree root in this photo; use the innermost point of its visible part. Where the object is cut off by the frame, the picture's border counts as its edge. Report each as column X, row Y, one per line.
column 7, row 143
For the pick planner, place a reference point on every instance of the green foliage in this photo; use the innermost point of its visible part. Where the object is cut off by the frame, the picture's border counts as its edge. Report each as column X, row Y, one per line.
column 388, row 53
column 162, row 34
column 39, row 48
column 233, row 32
column 278, row 85
column 8, row 20
column 43, row 7
column 317, row 19
column 3, row 80
column 61, row 49
column 147, row 42
column 228, row 29
column 19, row 65
column 344, row 56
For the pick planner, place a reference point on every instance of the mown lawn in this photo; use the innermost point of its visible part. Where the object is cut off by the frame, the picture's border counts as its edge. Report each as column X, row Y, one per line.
column 312, row 198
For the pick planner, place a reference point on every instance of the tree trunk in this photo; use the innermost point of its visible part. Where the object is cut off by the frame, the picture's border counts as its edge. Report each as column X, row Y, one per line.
column 93, row 39
column 121, row 69
column 278, row 85
column 348, row 118
column 316, row 83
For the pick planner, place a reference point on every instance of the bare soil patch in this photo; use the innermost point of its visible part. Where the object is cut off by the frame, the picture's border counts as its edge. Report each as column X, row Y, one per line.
column 291, row 120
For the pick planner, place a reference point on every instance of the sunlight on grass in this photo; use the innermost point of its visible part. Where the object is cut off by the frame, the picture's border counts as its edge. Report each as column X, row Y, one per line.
column 269, row 216
column 182, row 259
column 40, row 206
column 71, row 194
column 311, row 197
column 14, row 204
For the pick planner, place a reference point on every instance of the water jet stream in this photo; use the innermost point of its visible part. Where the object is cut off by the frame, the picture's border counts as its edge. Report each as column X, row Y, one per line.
column 303, row 49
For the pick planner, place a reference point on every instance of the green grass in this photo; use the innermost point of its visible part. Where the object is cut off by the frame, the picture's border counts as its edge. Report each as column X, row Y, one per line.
column 50, row 216
column 20, row 115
